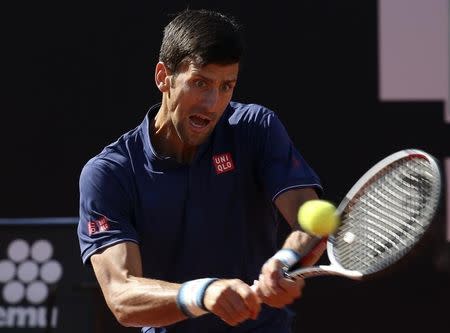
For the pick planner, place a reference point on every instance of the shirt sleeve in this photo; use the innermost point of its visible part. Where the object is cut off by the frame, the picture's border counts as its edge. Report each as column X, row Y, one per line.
column 105, row 208
column 282, row 167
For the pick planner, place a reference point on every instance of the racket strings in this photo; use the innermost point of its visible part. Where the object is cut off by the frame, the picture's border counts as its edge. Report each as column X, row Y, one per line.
column 387, row 216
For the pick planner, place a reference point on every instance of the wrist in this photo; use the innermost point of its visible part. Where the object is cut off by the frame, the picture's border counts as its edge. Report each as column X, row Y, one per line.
column 288, row 257
column 191, row 295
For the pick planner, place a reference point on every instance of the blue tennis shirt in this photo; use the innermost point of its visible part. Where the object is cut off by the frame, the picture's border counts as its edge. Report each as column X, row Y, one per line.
column 214, row 217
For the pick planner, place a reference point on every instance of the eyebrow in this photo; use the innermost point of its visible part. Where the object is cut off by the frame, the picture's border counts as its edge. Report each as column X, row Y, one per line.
column 211, row 80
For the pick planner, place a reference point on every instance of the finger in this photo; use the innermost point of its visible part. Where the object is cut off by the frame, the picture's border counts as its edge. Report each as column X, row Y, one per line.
column 269, row 298
column 271, row 274
column 214, row 300
column 287, row 293
column 256, row 289
column 252, row 300
column 240, row 304
column 246, row 298
column 238, row 307
column 292, row 288
column 224, row 310
column 226, row 313
column 268, row 286
column 273, row 269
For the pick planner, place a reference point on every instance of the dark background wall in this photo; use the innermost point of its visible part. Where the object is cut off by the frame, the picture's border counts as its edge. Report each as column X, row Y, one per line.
column 79, row 74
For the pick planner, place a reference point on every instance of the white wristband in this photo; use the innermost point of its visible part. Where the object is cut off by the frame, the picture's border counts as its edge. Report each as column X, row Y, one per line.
column 190, row 297
column 288, row 257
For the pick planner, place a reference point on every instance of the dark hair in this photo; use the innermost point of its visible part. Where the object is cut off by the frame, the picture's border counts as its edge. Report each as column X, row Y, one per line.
column 201, row 36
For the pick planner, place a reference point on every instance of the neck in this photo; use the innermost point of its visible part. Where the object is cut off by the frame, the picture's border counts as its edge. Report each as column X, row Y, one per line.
column 166, row 141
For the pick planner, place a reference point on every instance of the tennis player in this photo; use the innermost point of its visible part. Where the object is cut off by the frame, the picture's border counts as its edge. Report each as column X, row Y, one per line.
column 179, row 216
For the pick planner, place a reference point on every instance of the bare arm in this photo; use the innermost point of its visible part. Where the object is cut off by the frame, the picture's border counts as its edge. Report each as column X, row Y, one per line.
column 137, row 301
column 134, row 300
column 272, row 287
column 288, row 204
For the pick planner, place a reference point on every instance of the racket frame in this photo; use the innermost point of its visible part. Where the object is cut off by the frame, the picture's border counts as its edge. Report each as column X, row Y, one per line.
column 335, row 268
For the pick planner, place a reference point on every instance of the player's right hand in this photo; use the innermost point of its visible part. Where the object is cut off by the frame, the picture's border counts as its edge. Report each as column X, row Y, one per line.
column 232, row 300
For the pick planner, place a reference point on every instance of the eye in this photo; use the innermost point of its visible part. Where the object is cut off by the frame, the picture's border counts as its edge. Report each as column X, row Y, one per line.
column 226, row 87
column 200, row 83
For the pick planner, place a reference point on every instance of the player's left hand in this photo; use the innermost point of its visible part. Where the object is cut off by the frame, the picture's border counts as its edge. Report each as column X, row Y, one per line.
column 273, row 288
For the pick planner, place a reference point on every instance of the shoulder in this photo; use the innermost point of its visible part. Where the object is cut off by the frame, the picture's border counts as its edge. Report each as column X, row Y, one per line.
column 249, row 114
column 115, row 158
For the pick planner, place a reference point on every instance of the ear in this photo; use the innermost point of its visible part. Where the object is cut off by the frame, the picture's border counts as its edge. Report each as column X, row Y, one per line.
column 162, row 77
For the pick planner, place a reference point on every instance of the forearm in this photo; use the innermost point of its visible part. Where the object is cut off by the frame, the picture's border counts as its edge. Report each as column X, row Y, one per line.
column 145, row 302
column 138, row 301
column 300, row 242
column 288, row 203
column 133, row 299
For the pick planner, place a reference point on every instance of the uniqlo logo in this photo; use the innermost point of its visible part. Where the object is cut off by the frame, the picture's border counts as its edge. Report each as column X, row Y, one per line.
column 97, row 226
column 223, row 163
column 92, row 227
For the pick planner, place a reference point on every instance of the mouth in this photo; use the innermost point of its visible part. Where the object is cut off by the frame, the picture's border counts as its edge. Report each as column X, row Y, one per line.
column 199, row 121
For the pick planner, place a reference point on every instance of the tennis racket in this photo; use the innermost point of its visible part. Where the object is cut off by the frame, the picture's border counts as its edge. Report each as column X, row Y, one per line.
column 383, row 216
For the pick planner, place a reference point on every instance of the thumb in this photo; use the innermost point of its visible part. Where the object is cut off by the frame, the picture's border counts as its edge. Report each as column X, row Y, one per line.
column 255, row 288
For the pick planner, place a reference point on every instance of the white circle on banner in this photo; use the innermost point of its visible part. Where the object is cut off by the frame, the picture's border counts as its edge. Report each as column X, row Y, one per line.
column 51, row 271
column 18, row 250
column 37, row 292
column 13, row 292
column 7, row 270
column 41, row 250
column 27, row 271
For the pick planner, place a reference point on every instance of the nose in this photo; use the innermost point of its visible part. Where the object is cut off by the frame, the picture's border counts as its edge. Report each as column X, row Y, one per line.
column 211, row 99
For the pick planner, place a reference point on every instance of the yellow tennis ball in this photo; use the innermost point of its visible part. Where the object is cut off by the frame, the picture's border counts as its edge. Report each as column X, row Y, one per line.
column 318, row 217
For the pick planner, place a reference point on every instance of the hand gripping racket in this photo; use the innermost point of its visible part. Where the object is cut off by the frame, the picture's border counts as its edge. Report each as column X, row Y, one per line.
column 383, row 216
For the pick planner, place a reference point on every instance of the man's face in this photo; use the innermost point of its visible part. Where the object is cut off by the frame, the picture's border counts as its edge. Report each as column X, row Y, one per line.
column 197, row 99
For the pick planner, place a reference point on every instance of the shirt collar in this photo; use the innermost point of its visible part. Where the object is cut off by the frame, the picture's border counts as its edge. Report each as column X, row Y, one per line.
column 158, row 163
